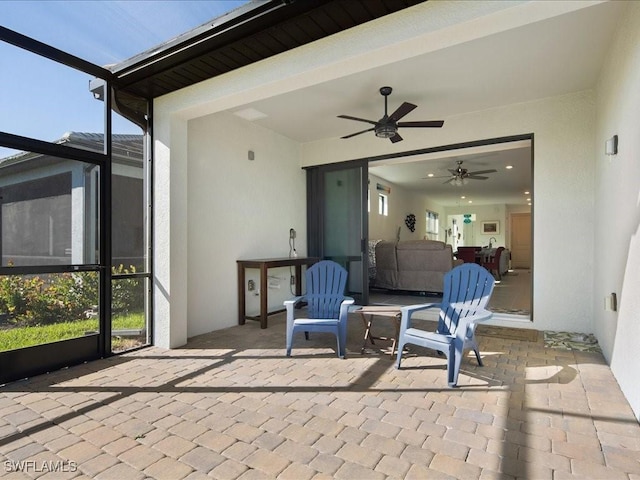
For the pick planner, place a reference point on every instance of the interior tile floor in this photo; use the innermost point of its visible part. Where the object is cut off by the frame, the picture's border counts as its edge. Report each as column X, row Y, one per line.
column 230, row 405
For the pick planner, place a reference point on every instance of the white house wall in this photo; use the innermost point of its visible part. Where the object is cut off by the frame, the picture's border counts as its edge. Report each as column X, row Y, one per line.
column 401, row 203
column 239, row 209
column 617, row 207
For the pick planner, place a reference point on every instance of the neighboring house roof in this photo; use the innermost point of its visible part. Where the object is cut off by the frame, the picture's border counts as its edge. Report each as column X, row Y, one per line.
column 251, row 33
column 126, row 149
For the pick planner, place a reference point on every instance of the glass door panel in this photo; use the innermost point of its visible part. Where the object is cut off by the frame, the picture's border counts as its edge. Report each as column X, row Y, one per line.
column 344, row 226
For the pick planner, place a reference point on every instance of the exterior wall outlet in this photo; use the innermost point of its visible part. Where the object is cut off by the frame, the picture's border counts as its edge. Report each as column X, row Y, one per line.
column 611, row 302
column 614, row 302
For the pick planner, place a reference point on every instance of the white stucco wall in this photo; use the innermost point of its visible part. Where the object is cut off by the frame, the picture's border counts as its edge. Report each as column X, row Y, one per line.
column 238, row 209
column 617, row 207
column 401, row 203
column 563, row 220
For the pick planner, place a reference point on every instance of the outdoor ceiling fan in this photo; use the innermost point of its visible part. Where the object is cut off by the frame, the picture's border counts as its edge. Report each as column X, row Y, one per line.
column 387, row 126
column 461, row 176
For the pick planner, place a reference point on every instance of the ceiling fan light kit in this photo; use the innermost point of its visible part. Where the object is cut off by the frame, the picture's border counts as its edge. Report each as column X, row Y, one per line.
column 387, row 126
column 460, row 176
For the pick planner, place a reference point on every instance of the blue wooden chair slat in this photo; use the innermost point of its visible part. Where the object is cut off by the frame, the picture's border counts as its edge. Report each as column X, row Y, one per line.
column 467, row 290
column 327, row 306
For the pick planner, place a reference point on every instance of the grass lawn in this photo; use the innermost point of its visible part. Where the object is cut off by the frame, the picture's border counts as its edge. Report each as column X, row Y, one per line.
column 28, row 336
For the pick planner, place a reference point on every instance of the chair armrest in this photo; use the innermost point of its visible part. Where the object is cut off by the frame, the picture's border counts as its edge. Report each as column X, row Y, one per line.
column 469, row 323
column 292, row 302
column 290, row 306
column 405, row 319
column 345, row 306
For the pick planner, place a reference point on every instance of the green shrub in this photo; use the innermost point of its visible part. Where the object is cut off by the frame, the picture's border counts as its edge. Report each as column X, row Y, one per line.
column 48, row 299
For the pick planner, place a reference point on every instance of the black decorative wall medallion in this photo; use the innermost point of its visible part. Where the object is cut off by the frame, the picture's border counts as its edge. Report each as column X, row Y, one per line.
column 410, row 222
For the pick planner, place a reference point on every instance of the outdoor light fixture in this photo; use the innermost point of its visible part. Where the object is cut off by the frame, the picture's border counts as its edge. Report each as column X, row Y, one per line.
column 386, row 131
column 611, row 146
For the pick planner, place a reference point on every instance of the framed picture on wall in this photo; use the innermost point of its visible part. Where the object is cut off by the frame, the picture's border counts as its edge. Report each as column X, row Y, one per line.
column 491, row 228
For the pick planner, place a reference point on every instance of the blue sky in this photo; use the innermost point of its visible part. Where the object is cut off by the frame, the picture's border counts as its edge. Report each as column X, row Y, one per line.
column 42, row 100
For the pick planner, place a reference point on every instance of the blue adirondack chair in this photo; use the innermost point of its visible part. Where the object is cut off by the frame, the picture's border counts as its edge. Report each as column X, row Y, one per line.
column 327, row 306
column 467, row 289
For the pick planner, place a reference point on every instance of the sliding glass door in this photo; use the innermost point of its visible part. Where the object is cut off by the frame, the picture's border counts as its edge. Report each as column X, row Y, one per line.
column 337, row 220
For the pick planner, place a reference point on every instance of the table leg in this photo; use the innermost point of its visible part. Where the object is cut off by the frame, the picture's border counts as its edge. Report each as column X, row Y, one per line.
column 242, row 313
column 396, row 323
column 264, row 305
column 367, row 331
column 298, row 280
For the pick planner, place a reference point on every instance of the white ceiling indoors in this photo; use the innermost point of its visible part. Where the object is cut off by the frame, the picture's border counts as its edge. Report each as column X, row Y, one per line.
column 551, row 57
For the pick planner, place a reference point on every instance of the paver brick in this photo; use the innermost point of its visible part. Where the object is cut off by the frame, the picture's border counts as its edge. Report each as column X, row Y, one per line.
column 271, row 463
column 239, row 451
column 296, row 471
column 244, row 432
column 300, row 434
column 229, row 470
column 174, row 446
column 326, row 463
column 168, row 469
column 202, row 459
column 296, row 452
column 120, row 471
column 454, row 466
column 350, row 471
column 98, row 464
column 141, row 457
column 80, row 452
column 360, row 455
column 120, row 445
column 393, row 466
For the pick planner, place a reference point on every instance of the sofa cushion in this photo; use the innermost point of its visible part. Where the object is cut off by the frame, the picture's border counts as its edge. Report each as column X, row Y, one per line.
column 386, row 265
column 421, row 245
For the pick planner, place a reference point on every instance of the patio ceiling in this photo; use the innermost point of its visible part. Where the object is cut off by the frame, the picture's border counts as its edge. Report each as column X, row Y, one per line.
column 251, row 33
column 528, row 61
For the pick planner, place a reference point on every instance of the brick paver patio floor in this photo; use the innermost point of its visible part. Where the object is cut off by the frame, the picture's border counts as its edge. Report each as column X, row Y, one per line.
column 230, row 405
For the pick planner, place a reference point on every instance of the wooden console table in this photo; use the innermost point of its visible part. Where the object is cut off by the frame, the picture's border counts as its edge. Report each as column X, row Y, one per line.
column 263, row 265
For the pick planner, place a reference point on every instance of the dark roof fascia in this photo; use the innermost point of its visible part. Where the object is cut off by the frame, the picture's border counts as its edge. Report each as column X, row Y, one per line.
column 237, row 24
column 52, row 53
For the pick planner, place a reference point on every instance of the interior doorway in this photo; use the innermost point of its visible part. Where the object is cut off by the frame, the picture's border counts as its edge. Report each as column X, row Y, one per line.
column 484, row 212
column 521, row 240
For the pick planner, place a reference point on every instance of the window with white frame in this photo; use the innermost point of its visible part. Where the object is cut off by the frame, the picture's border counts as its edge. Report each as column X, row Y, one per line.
column 433, row 225
column 383, row 204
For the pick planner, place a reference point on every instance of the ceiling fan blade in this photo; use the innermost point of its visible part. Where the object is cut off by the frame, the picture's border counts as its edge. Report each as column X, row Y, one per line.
column 449, row 181
column 426, row 123
column 402, row 111
column 348, row 117
column 358, row 133
column 475, row 177
column 395, row 138
column 482, row 172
